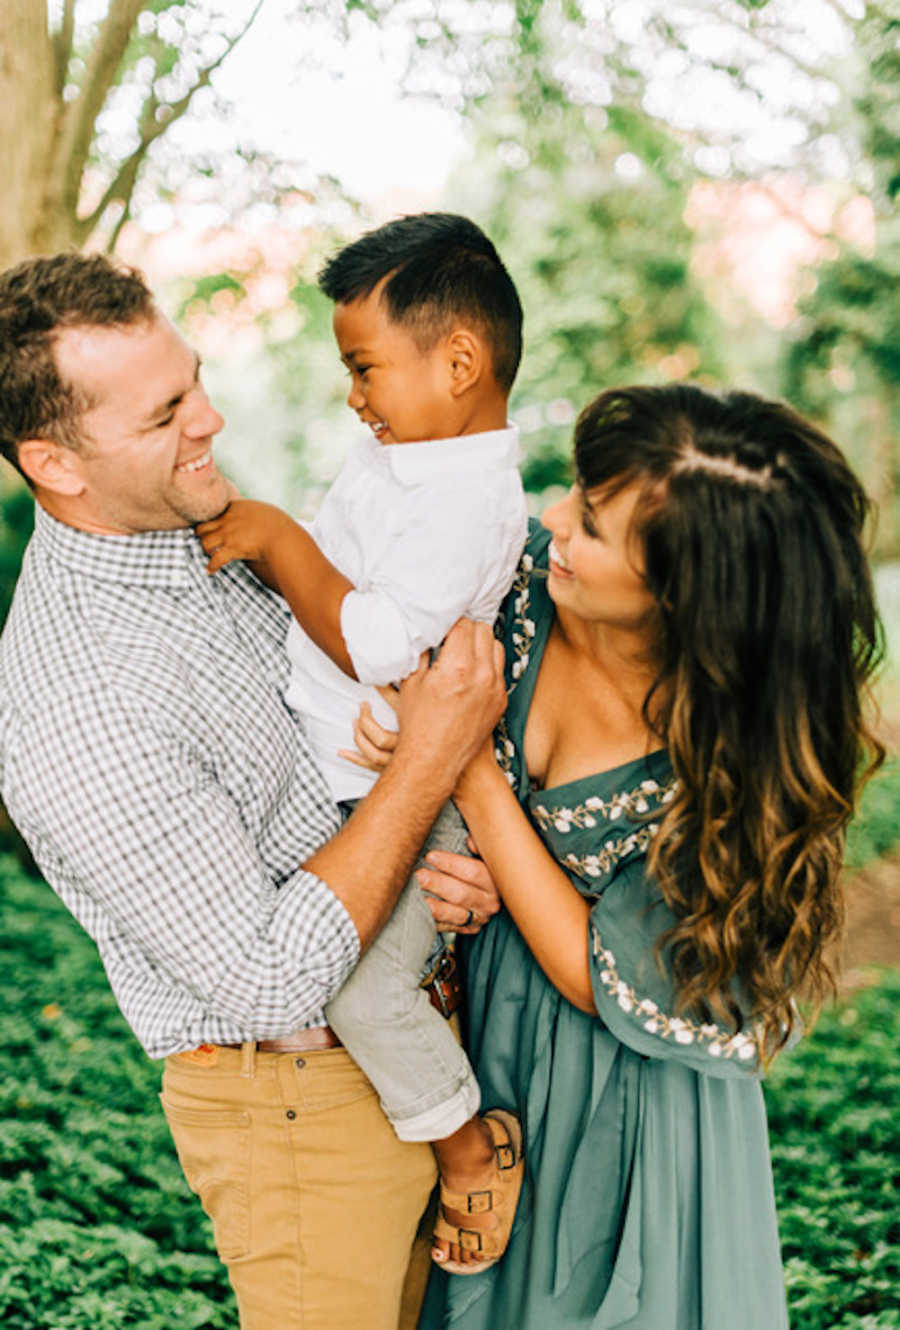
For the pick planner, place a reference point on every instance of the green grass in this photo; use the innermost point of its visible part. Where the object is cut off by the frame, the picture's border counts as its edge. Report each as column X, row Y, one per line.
column 876, row 828
column 99, row 1231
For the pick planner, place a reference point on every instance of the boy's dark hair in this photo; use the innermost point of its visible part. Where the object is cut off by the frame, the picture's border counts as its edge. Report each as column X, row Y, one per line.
column 38, row 299
column 442, row 268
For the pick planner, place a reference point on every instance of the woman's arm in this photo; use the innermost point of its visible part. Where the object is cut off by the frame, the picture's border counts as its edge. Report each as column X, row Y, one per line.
column 550, row 913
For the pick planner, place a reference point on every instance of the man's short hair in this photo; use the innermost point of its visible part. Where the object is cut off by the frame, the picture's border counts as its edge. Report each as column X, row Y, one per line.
column 39, row 298
column 441, row 268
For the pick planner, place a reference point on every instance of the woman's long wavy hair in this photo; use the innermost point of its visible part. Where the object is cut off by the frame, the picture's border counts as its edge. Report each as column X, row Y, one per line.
column 751, row 526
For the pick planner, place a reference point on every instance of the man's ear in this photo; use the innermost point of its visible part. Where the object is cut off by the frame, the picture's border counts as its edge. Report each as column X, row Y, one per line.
column 468, row 360
column 50, row 466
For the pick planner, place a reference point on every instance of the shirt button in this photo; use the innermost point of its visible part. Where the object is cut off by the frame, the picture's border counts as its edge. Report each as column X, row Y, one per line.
column 299, row 1062
column 290, row 1115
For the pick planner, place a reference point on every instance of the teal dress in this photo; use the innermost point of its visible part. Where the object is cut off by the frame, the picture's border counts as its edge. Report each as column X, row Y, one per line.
column 648, row 1200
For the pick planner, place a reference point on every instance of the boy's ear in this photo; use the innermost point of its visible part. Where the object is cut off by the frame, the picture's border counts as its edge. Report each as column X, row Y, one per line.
column 50, row 466
column 468, row 360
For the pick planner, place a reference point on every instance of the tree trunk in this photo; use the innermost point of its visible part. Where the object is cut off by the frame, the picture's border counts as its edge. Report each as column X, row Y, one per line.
column 29, row 115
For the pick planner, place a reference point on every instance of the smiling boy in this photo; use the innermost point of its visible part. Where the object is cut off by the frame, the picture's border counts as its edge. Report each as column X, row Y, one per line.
column 424, row 524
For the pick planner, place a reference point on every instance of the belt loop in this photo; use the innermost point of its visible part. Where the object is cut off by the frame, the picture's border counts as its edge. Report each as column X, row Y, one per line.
column 248, row 1058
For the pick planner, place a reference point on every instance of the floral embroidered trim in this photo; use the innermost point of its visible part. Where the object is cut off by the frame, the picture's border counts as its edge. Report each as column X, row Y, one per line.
column 523, row 628
column 680, row 1028
column 583, row 815
column 504, row 751
column 595, row 865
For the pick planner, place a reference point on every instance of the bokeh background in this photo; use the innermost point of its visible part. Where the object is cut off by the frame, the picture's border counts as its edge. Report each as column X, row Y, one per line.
column 681, row 189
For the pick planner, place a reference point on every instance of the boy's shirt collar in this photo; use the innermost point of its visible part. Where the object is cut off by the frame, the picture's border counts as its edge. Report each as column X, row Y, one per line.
column 411, row 463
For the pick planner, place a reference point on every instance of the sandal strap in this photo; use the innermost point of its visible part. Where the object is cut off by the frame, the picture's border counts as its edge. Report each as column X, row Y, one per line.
column 471, row 1202
column 469, row 1239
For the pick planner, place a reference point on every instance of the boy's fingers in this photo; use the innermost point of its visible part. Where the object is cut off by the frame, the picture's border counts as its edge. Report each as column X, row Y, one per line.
column 219, row 559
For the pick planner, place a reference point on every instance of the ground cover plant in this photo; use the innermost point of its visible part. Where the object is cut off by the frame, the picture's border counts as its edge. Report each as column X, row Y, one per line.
column 98, row 1229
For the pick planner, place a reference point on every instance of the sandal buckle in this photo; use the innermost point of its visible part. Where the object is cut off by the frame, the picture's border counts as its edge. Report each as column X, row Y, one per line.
column 506, row 1156
column 479, row 1202
column 470, row 1239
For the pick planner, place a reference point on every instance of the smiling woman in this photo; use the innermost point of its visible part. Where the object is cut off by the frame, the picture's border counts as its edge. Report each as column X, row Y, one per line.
column 664, row 816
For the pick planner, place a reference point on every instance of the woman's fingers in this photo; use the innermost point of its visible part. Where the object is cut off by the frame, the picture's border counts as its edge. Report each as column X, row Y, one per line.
column 460, row 891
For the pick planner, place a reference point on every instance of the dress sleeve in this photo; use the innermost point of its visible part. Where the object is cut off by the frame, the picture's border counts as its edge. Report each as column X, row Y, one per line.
column 635, row 999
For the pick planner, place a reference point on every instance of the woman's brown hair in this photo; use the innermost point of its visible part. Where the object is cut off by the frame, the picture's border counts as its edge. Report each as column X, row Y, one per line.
column 752, row 529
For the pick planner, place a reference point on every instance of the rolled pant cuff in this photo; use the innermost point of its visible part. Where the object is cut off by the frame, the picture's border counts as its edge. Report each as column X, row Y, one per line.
column 442, row 1119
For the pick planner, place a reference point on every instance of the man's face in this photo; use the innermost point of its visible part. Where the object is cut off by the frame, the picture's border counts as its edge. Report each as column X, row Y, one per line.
column 146, row 463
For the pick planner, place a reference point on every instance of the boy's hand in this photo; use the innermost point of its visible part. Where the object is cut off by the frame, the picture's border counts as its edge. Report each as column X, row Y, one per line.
column 246, row 530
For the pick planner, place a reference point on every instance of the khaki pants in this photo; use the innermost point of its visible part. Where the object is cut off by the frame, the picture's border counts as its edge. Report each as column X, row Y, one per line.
column 314, row 1201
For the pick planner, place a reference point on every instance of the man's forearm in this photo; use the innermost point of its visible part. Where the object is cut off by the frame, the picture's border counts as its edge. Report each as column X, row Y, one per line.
column 367, row 863
column 446, row 714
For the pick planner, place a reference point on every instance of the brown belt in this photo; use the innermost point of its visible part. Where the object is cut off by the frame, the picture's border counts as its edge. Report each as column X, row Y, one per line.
column 301, row 1041
column 444, row 993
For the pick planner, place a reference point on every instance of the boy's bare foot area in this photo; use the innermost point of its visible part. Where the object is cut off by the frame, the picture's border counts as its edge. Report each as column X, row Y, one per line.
column 481, row 1176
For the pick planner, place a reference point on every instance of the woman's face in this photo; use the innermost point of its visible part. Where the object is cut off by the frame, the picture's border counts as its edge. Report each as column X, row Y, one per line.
column 596, row 563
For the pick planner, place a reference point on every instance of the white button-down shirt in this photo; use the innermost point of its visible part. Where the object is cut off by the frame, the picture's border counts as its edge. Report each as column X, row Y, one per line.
column 426, row 532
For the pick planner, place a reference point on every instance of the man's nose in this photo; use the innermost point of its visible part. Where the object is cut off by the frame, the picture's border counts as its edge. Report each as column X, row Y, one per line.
column 355, row 400
column 202, row 420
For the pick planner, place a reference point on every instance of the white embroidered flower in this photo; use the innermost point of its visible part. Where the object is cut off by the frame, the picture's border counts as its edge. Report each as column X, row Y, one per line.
column 527, row 562
column 529, row 628
column 615, row 810
column 715, row 1050
column 625, row 1003
column 647, row 1004
column 509, row 747
column 592, row 866
column 667, row 795
column 747, row 1051
column 561, row 824
column 589, row 821
column 641, row 805
column 593, row 802
column 651, row 1026
column 709, row 1030
column 683, row 1037
column 649, row 786
column 518, row 666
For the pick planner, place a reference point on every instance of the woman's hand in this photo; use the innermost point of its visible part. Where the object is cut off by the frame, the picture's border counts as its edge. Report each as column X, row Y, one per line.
column 374, row 744
column 460, row 891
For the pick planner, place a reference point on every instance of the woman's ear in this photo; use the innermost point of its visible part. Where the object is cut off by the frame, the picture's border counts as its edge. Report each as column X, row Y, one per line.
column 50, row 466
column 468, row 360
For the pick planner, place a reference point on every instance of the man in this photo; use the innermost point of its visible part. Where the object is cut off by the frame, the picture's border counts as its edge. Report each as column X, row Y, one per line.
column 167, row 793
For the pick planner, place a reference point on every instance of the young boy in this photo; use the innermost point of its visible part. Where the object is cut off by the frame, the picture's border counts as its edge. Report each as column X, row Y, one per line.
column 424, row 524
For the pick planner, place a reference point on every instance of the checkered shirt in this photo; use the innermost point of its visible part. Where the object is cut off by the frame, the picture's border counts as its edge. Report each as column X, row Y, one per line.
column 164, row 787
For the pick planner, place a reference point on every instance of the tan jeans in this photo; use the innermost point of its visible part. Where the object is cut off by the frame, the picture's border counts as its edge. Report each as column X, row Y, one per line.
column 314, row 1201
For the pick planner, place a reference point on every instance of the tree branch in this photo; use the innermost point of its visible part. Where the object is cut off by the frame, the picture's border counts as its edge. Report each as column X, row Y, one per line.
column 156, row 118
column 62, row 44
column 80, row 114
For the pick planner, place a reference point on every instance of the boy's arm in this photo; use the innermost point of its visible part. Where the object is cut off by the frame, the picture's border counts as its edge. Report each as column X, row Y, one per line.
column 285, row 557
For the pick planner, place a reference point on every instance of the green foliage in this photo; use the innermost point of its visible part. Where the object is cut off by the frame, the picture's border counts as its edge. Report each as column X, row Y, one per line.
column 97, row 1226
column 876, row 827
column 835, row 1136
column 98, row 1229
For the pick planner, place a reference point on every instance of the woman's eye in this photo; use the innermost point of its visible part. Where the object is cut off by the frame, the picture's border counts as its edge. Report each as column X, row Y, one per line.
column 167, row 420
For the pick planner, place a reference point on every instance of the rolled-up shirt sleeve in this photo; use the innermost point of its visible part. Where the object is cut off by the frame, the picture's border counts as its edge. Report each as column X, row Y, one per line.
column 437, row 572
column 161, row 870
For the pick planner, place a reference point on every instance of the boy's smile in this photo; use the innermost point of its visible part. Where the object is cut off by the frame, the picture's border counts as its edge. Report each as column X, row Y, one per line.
column 400, row 390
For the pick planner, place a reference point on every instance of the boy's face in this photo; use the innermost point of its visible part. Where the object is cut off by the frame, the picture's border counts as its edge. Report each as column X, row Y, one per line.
column 402, row 393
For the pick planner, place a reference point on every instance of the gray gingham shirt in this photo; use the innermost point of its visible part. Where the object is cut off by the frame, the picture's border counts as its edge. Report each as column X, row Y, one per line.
column 164, row 787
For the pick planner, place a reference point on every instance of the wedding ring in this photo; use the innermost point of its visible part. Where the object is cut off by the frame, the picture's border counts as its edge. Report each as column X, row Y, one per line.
column 468, row 919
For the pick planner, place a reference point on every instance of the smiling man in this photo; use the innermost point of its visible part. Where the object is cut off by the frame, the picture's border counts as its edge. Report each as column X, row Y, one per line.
column 168, row 795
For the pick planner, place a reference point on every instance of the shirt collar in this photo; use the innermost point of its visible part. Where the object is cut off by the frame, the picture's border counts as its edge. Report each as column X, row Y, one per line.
column 149, row 559
column 411, row 463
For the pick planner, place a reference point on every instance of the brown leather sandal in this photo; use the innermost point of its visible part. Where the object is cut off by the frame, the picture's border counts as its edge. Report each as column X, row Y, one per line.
column 500, row 1199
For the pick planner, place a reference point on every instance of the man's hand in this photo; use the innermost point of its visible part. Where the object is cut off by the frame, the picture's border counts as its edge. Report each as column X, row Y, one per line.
column 246, row 530
column 447, row 710
column 460, row 891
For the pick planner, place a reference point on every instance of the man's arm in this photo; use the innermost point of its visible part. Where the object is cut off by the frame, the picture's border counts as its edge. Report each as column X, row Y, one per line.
column 446, row 712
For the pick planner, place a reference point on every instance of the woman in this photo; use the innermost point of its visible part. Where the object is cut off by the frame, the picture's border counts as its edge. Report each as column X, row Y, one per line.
column 688, row 642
